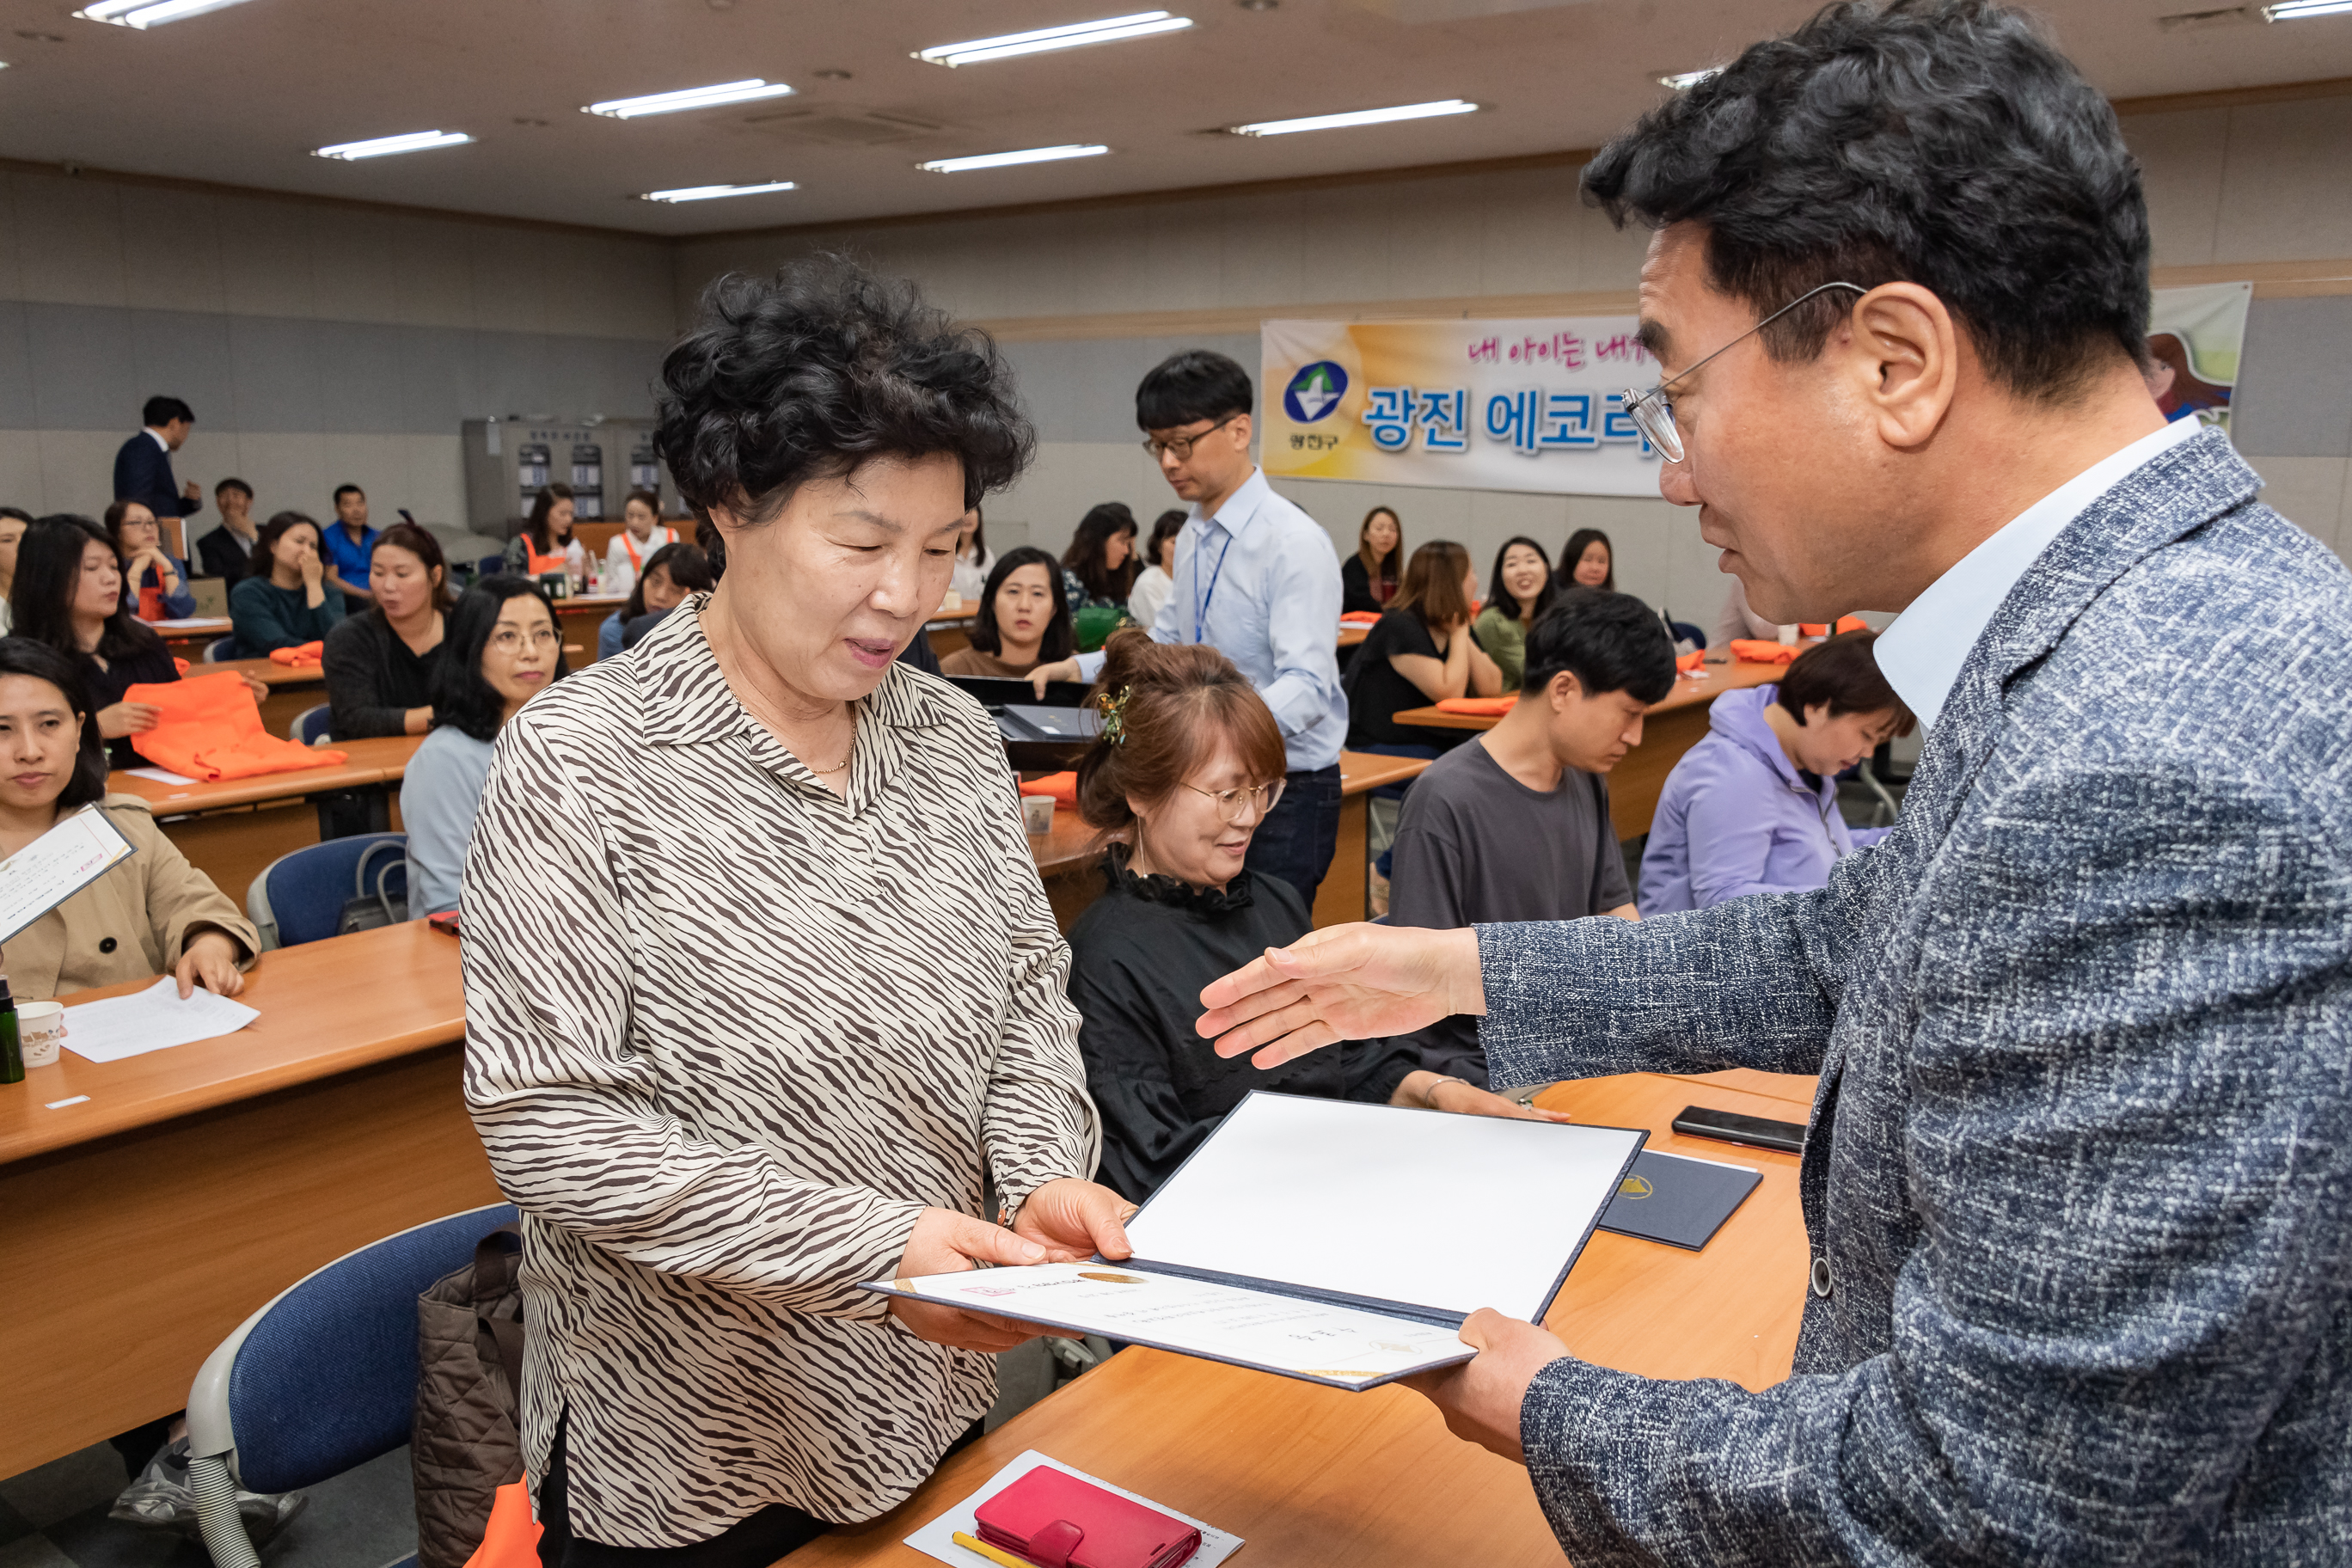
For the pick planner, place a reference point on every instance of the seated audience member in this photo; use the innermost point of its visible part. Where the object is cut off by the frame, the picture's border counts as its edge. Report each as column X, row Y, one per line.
column 379, row 663
column 1515, row 826
column 973, row 560
column 504, row 648
column 228, row 550
column 1158, row 578
column 670, row 573
column 642, row 533
column 1752, row 808
column 1736, row 620
column 284, row 601
column 1369, row 578
column 1024, row 620
column 545, row 544
column 1099, row 569
column 1190, row 762
column 67, row 595
column 345, row 545
column 1421, row 651
column 149, row 914
column 1587, row 560
column 14, row 520
column 1522, row 590
column 154, row 584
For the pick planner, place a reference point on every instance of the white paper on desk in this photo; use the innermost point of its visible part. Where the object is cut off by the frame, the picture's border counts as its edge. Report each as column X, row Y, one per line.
column 1319, row 1341
column 161, row 775
column 937, row 1538
column 184, row 623
column 151, row 1020
column 55, row 866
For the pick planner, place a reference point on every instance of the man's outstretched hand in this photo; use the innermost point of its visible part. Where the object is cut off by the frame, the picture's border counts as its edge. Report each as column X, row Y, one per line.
column 1345, row 983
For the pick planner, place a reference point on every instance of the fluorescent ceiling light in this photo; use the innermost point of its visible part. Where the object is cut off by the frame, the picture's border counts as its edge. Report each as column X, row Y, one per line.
column 1358, row 117
column 2293, row 10
column 688, row 98
column 1005, row 160
column 385, row 146
column 1682, row 79
column 144, row 13
column 712, row 193
column 1109, row 30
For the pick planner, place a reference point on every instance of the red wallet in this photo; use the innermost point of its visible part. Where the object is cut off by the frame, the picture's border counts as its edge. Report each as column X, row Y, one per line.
column 1057, row 1521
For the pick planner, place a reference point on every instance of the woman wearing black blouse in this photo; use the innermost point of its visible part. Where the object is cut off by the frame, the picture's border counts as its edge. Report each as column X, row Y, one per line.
column 1190, row 762
column 1367, row 579
column 1421, row 651
column 378, row 664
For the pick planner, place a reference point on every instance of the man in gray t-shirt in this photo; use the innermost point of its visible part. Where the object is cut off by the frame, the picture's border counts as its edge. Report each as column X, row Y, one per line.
column 1514, row 825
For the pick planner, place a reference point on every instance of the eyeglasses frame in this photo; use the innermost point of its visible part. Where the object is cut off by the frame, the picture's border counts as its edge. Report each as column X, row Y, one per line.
column 1155, row 447
column 1653, row 414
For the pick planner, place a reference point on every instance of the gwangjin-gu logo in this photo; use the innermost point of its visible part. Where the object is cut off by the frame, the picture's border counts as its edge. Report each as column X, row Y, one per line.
column 1314, row 392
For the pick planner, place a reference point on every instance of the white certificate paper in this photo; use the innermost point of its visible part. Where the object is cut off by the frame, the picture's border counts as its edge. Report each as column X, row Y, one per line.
column 55, row 866
column 1347, row 1347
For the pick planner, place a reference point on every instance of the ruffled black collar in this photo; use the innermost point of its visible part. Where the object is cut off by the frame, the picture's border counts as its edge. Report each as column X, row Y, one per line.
column 1210, row 903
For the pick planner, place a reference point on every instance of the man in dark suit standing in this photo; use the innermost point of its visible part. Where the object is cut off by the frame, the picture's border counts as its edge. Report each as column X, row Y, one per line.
column 142, row 468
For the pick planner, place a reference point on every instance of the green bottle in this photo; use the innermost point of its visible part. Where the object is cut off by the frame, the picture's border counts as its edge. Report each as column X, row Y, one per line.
column 12, row 1052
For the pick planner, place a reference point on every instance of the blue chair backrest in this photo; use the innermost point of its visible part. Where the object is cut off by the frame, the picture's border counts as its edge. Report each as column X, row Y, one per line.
column 1685, row 632
column 306, row 889
column 327, row 1379
column 491, row 566
column 220, row 649
column 312, row 723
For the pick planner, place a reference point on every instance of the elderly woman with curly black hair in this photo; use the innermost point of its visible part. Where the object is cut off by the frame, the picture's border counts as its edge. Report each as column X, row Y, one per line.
column 738, row 1055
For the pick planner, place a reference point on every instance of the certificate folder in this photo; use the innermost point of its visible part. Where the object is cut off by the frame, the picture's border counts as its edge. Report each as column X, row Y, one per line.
column 1332, row 1241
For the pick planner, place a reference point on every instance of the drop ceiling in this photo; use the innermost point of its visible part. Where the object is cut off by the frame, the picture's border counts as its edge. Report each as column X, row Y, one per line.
column 241, row 95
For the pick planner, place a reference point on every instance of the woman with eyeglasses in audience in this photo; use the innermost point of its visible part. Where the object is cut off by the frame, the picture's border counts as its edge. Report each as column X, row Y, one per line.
column 642, row 534
column 1099, row 569
column 1024, row 620
column 545, row 544
column 671, row 573
column 1368, row 579
column 1421, row 651
column 154, row 584
column 504, row 648
column 285, row 602
column 1522, row 590
column 379, row 663
column 1158, row 578
column 1189, row 764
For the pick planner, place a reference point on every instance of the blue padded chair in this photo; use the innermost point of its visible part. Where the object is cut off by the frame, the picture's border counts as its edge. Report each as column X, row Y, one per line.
column 311, row 724
column 321, row 1379
column 220, row 649
column 300, row 897
column 1683, row 631
column 489, row 566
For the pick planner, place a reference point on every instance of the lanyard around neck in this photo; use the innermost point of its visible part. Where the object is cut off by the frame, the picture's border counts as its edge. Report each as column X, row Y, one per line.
column 1201, row 602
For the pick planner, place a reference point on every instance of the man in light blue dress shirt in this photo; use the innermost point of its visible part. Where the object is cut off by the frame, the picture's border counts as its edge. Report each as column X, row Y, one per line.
column 1257, row 580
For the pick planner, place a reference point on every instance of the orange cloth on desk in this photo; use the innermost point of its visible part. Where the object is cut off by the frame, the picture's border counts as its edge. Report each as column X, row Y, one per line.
column 1360, row 618
column 1687, row 662
column 1823, row 628
column 1493, row 706
column 1749, row 650
column 511, row 1538
column 182, row 665
column 1063, row 787
column 307, row 653
column 211, row 730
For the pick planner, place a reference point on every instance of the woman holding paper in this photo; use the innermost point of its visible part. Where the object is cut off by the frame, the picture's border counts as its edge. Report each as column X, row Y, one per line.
column 151, row 913
column 733, row 1073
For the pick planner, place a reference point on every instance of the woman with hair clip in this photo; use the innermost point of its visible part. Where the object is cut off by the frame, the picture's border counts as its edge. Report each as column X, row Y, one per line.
column 1369, row 578
column 504, row 648
column 379, row 663
column 1421, row 651
column 671, row 573
column 147, row 566
column 1024, row 620
column 1099, row 569
column 545, row 544
column 641, row 534
column 1189, row 762
column 1522, row 590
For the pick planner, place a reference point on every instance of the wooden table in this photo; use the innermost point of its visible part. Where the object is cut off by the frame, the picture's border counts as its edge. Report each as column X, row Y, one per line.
column 292, row 688
column 145, row 1222
column 1349, row 635
column 1068, row 856
column 232, row 829
column 1314, row 1477
column 1669, row 729
column 189, row 638
column 579, row 617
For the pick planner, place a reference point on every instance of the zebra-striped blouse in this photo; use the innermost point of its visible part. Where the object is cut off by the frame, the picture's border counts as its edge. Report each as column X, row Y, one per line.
column 726, row 1035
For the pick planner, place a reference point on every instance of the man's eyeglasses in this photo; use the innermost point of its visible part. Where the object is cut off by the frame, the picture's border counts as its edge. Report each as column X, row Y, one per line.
column 505, row 640
column 1183, row 444
column 1653, row 412
column 1235, row 803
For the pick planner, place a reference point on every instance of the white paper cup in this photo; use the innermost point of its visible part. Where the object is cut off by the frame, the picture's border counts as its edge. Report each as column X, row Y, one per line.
column 1788, row 636
column 1037, row 812
column 40, row 1031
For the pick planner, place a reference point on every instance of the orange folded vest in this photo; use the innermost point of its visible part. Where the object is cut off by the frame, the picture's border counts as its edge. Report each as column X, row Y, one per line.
column 511, row 1538
column 211, row 730
column 1751, row 650
column 1686, row 662
column 1063, row 787
column 1360, row 618
column 1491, row 706
column 305, row 654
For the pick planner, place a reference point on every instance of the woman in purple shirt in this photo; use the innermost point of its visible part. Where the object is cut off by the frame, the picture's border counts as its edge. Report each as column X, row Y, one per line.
column 1752, row 808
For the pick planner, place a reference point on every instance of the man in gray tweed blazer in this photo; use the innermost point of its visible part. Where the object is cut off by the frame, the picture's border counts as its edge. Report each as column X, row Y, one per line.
column 2078, row 1181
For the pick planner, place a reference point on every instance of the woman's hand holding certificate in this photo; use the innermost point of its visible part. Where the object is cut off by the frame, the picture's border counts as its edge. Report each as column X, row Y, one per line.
column 1067, row 1221
column 1346, row 983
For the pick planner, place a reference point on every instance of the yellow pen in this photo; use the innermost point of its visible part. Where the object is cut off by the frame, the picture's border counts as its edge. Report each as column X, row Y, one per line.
column 1001, row 1558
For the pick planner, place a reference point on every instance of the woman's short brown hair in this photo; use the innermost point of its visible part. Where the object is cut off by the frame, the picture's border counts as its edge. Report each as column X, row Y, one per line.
column 1433, row 584
column 1843, row 674
column 1173, row 702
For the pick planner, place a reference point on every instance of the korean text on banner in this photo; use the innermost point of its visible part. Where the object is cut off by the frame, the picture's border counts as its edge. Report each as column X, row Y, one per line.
column 1532, row 405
